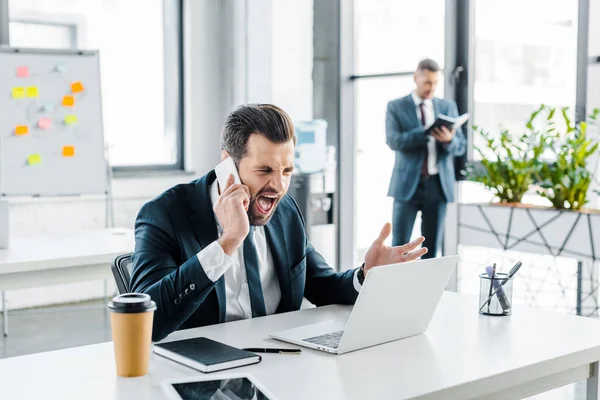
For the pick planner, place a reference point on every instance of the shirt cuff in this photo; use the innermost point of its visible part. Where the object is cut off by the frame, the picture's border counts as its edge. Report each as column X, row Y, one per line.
column 357, row 285
column 214, row 261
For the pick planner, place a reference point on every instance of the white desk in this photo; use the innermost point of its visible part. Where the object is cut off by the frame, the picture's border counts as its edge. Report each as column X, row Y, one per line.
column 462, row 356
column 53, row 260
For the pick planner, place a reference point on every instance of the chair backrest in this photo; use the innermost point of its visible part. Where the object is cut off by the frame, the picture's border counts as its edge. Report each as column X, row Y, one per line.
column 121, row 269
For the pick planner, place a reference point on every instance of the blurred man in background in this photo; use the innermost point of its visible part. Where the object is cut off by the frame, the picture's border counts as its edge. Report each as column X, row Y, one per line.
column 423, row 178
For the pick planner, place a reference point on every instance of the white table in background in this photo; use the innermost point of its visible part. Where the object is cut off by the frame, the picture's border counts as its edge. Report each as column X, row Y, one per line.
column 53, row 260
column 462, row 356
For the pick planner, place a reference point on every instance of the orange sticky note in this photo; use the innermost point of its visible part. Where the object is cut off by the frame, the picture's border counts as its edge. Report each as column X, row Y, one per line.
column 68, row 151
column 22, row 72
column 76, row 87
column 21, row 130
column 68, row 101
column 32, row 92
column 45, row 123
column 34, row 159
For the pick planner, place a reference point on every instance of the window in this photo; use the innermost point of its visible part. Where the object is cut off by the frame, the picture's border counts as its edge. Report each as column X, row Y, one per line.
column 392, row 36
column 140, row 61
column 517, row 68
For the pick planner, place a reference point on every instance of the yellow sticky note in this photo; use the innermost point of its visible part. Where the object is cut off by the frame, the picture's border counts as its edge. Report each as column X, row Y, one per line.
column 18, row 93
column 34, row 159
column 68, row 151
column 68, row 101
column 21, row 130
column 76, row 87
column 32, row 91
column 71, row 119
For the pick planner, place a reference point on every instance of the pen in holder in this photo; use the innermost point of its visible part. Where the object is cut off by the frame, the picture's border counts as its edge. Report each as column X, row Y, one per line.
column 495, row 293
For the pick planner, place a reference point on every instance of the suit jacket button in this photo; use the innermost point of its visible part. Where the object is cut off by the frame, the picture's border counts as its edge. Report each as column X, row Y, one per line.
column 187, row 292
column 181, row 296
column 192, row 286
column 177, row 302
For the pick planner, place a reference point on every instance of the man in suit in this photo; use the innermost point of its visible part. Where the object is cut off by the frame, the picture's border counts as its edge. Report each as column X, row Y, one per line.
column 423, row 178
column 208, row 254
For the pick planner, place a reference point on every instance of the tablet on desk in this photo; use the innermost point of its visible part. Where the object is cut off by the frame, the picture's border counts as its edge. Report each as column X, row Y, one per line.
column 223, row 387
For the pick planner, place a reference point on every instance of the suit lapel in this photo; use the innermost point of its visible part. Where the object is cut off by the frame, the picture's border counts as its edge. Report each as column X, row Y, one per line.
column 412, row 111
column 436, row 107
column 205, row 228
column 277, row 244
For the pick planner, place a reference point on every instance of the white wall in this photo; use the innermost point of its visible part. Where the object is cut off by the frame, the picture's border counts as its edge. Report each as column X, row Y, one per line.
column 233, row 54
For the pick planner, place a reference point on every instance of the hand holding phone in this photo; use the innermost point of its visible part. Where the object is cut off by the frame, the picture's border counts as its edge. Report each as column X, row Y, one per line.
column 232, row 206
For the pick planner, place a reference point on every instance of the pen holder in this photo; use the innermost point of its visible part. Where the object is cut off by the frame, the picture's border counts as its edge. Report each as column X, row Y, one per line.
column 500, row 302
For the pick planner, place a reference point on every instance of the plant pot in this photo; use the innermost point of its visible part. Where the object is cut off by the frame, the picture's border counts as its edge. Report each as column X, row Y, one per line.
column 532, row 229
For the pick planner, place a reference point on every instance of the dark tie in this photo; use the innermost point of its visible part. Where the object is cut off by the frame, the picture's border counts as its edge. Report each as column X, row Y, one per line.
column 424, row 166
column 252, row 273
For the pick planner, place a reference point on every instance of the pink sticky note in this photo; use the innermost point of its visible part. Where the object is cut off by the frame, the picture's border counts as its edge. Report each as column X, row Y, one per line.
column 22, row 72
column 45, row 123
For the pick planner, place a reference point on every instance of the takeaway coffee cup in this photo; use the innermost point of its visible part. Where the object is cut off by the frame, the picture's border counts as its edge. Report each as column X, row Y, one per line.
column 131, row 323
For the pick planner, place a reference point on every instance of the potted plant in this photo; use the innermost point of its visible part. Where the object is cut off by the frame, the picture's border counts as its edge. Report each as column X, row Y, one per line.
column 566, row 178
column 509, row 163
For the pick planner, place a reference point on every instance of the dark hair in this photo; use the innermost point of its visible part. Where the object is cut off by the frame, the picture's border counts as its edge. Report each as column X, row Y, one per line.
column 429, row 65
column 264, row 119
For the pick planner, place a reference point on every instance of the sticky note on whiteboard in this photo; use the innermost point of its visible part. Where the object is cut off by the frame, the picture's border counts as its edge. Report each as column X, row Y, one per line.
column 76, row 87
column 22, row 72
column 32, row 91
column 45, row 123
column 68, row 151
column 21, row 130
column 18, row 93
column 70, row 119
column 34, row 159
column 68, row 101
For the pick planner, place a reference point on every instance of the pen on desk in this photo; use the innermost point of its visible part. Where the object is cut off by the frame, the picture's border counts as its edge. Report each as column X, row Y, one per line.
column 274, row 351
column 491, row 286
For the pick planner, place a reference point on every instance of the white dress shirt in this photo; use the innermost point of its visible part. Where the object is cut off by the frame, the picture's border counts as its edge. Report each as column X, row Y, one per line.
column 215, row 263
column 429, row 120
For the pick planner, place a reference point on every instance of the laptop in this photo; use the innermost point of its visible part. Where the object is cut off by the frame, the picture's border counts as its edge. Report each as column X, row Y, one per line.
column 396, row 301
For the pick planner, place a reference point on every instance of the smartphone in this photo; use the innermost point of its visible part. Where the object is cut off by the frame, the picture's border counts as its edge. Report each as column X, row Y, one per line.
column 226, row 167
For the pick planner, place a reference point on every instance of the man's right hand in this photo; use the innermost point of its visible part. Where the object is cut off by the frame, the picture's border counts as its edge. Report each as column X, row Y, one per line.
column 231, row 210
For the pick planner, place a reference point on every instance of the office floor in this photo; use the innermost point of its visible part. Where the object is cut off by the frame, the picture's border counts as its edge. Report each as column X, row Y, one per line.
column 71, row 325
column 53, row 328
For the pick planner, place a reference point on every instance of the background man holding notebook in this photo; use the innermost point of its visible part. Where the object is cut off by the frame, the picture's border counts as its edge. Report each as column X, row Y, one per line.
column 208, row 253
column 423, row 177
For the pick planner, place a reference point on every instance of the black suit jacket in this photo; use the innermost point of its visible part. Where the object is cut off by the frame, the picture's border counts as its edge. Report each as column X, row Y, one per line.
column 170, row 231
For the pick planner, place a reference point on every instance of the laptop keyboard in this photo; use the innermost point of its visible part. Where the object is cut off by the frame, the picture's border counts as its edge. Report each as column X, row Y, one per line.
column 331, row 340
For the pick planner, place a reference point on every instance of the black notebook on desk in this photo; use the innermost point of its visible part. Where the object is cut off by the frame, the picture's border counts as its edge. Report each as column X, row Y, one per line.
column 205, row 355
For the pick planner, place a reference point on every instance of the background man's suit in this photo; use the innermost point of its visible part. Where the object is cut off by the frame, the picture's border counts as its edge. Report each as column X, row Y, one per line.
column 173, row 228
column 411, row 189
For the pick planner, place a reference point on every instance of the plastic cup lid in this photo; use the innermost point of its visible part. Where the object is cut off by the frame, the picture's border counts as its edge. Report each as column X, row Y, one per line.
column 132, row 303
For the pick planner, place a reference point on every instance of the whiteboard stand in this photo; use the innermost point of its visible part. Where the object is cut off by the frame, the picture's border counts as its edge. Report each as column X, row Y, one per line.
column 109, row 200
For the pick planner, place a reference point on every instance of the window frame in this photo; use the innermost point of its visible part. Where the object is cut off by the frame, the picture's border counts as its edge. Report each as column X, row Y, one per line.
column 173, row 31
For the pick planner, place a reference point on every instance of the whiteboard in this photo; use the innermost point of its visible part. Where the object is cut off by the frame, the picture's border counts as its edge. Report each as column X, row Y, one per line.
column 51, row 136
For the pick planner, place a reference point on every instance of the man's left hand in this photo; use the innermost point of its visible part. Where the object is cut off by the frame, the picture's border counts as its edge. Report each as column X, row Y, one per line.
column 443, row 135
column 380, row 254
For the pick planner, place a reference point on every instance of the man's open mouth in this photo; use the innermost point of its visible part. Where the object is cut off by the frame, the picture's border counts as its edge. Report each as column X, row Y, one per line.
column 266, row 202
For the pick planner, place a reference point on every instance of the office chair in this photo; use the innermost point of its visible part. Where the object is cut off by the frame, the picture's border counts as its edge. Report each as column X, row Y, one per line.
column 121, row 269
